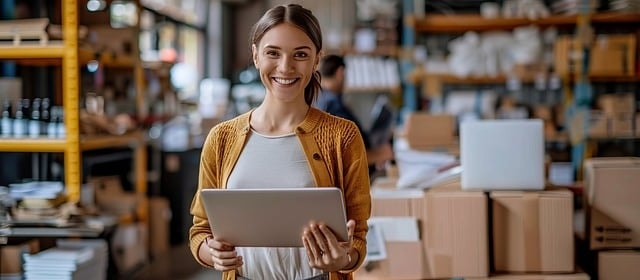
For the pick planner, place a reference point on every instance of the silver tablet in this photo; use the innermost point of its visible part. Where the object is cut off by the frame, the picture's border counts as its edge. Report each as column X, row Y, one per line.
column 272, row 217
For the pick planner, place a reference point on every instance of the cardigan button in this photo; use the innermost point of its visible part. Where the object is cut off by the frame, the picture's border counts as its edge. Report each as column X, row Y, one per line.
column 300, row 130
column 316, row 156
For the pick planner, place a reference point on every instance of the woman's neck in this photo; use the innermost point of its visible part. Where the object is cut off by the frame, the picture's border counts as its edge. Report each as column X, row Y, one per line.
column 274, row 120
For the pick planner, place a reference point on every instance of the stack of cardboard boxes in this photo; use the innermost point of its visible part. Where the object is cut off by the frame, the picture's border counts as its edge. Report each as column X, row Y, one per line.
column 612, row 211
column 478, row 234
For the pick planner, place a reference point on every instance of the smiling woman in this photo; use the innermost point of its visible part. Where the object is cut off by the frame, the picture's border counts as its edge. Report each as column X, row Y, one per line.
column 286, row 143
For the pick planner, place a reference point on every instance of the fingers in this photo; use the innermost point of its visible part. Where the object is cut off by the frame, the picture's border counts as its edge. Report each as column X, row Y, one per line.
column 351, row 229
column 223, row 255
column 323, row 248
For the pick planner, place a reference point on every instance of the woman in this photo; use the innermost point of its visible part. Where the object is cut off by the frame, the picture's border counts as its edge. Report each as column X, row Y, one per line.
column 286, row 142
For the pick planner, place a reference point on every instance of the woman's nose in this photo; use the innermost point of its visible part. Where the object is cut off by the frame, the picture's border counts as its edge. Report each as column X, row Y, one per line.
column 286, row 64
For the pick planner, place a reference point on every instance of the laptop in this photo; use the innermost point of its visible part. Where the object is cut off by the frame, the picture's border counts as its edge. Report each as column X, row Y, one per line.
column 272, row 217
column 502, row 155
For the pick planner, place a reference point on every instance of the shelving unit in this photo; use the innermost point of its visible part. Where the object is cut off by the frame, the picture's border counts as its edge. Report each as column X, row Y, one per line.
column 473, row 22
column 70, row 57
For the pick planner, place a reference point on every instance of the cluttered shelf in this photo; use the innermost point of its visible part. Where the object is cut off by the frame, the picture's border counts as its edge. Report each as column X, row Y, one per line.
column 474, row 22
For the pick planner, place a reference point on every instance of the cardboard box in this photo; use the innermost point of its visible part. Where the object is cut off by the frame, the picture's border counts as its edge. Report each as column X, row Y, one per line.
column 129, row 246
column 424, row 130
column 598, row 124
column 404, row 261
column 612, row 201
column 159, row 226
column 618, row 265
column 533, row 231
column 572, row 276
column 610, row 55
column 11, row 256
column 395, row 203
column 455, row 233
column 617, row 103
column 622, row 125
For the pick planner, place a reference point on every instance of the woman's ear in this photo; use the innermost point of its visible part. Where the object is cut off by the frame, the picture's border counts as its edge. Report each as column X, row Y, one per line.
column 318, row 58
column 254, row 54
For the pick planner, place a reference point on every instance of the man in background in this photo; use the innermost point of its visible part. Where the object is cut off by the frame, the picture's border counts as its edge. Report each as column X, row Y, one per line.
column 332, row 70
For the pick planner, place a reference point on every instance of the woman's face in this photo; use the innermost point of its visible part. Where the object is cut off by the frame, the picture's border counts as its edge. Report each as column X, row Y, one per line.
column 286, row 59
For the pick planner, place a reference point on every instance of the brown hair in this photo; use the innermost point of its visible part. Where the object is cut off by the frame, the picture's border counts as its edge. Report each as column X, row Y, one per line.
column 301, row 18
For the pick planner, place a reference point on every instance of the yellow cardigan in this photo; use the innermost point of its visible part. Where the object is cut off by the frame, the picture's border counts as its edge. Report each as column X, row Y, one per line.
column 337, row 157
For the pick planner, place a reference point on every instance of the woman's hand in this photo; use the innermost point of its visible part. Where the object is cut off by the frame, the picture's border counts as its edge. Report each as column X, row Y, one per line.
column 324, row 250
column 219, row 254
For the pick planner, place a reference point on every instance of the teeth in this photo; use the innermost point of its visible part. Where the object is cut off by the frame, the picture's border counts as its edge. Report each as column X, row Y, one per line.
column 284, row 81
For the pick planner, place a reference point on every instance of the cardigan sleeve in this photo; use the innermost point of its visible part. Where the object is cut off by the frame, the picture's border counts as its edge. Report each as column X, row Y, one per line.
column 356, row 191
column 207, row 178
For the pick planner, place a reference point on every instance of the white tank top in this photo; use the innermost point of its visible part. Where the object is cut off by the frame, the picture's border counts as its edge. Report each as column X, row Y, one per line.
column 272, row 162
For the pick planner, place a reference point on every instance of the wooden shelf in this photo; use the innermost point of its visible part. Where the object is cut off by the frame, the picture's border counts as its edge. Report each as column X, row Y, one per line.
column 393, row 90
column 32, row 145
column 95, row 142
column 419, row 76
column 474, row 22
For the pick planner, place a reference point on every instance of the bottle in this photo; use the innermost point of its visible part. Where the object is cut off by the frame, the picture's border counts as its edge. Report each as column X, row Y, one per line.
column 34, row 121
column 44, row 116
column 53, row 123
column 19, row 123
column 6, row 123
column 61, row 130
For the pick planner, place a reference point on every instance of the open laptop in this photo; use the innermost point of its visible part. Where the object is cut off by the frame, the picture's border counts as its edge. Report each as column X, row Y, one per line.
column 502, row 154
column 272, row 217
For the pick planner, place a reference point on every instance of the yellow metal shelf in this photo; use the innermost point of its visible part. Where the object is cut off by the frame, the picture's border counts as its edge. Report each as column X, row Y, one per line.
column 32, row 145
column 31, row 52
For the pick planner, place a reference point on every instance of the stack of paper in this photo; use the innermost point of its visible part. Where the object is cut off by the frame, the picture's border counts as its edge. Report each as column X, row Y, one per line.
column 70, row 259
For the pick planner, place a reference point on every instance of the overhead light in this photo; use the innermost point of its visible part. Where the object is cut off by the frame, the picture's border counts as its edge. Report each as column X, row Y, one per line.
column 96, row 5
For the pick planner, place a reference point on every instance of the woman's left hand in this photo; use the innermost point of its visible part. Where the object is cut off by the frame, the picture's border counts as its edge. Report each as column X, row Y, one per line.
column 323, row 248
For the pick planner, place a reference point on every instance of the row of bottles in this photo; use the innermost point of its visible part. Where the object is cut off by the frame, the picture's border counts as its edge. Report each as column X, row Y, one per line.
column 31, row 118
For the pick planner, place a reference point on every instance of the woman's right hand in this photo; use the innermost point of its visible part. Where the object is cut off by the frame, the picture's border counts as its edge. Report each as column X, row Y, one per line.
column 221, row 255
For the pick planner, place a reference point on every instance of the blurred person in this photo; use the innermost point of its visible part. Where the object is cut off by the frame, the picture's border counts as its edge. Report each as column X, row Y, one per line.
column 332, row 71
column 286, row 142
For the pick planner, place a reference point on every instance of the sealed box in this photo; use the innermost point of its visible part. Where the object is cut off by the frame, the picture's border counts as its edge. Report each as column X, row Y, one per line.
column 617, row 103
column 618, row 265
column 425, row 130
column 404, row 261
column 533, row 231
column 570, row 276
column 394, row 202
column 455, row 233
column 612, row 201
column 622, row 125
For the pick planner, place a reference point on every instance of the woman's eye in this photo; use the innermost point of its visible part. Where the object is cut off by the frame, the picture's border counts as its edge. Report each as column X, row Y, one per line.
column 301, row 55
column 272, row 53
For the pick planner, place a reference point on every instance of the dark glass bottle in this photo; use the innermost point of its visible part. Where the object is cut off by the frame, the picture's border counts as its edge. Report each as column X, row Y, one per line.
column 6, row 122
column 34, row 121
column 45, row 114
column 19, row 121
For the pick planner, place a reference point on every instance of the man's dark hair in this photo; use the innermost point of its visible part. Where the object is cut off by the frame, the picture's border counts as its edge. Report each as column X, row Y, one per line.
column 330, row 64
